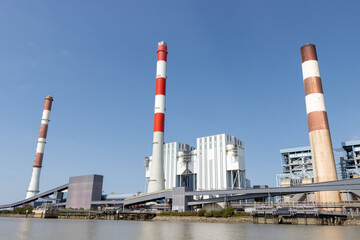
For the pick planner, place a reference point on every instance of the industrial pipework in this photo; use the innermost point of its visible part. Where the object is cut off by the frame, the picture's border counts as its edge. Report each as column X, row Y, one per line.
column 35, row 177
column 319, row 133
column 156, row 181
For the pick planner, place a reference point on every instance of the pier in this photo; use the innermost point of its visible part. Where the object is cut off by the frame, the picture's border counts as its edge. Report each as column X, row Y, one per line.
column 305, row 215
column 104, row 215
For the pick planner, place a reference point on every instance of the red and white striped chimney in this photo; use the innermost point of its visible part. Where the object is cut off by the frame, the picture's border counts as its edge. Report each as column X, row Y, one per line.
column 35, row 178
column 156, row 181
column 319, row 133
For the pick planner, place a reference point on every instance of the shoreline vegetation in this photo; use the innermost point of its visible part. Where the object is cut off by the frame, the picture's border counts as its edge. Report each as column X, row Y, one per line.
column 226, row 215
column 18, row 211
column 240, row 220
column 226, row 212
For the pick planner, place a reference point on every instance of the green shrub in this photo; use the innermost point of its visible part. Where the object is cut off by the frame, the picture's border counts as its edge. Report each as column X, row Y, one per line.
column 5, row 212
column 209, row 214
column 191, row 213
column 177, row 214
column 22, row 210
column 241, row 214
column 201, row 212
column 228, row 211
column 218, row 213
column 163, row 214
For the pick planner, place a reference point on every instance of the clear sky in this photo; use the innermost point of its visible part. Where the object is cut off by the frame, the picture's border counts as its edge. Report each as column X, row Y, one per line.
column 233, row 67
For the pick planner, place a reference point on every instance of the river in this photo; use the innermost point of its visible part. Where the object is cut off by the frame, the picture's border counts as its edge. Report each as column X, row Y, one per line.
column 61, row 229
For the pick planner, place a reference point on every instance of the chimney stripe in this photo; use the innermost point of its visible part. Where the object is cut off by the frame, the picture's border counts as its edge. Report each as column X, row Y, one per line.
column 315, row 102
column 310, row 68
column 312, row 85
column 160, row 86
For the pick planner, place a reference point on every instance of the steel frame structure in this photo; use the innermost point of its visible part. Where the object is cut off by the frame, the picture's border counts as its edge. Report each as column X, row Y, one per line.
column 350, row 165
column 296, row 165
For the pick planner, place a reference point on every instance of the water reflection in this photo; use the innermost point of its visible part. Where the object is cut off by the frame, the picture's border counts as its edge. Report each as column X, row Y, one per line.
column 85, row 230
column 58, row 229
column 334, row 233
column 24, row 229
column 184, row 231
column 148, row 230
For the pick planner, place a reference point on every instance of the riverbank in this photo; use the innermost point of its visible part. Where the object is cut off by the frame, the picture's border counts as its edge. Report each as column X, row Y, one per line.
column 10, row 215
column 238, row 219
column 242, row 219
column 352, row 221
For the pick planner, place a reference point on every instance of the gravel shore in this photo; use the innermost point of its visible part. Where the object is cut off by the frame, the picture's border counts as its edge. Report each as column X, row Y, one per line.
column 352, row 222
column 241, row 220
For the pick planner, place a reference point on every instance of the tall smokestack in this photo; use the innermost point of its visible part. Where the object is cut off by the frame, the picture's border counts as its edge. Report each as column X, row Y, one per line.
column 35, row 177
column 319, row 133
column 156, row 181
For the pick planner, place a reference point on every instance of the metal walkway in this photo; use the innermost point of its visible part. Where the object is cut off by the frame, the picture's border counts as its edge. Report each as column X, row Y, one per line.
column 218, row 195
column 240, row 194
column 36, row 197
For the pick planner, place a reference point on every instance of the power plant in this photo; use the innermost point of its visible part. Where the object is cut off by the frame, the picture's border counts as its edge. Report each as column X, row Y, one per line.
column 181, row 177
column 319, row 132
column 35, row 177
column 156, row 181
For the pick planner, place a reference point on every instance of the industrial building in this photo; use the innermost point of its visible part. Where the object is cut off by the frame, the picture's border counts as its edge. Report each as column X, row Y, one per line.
column 350, row 164
column 296, row 166
column 83, row 190
column 178, row 165
column 218, row 162
column 297, row 169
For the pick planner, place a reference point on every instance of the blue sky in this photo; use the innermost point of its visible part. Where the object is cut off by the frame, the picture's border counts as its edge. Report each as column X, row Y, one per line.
column 233, row 67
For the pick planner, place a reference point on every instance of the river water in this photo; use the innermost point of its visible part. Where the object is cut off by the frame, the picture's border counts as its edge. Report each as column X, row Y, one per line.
column 61, row 229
